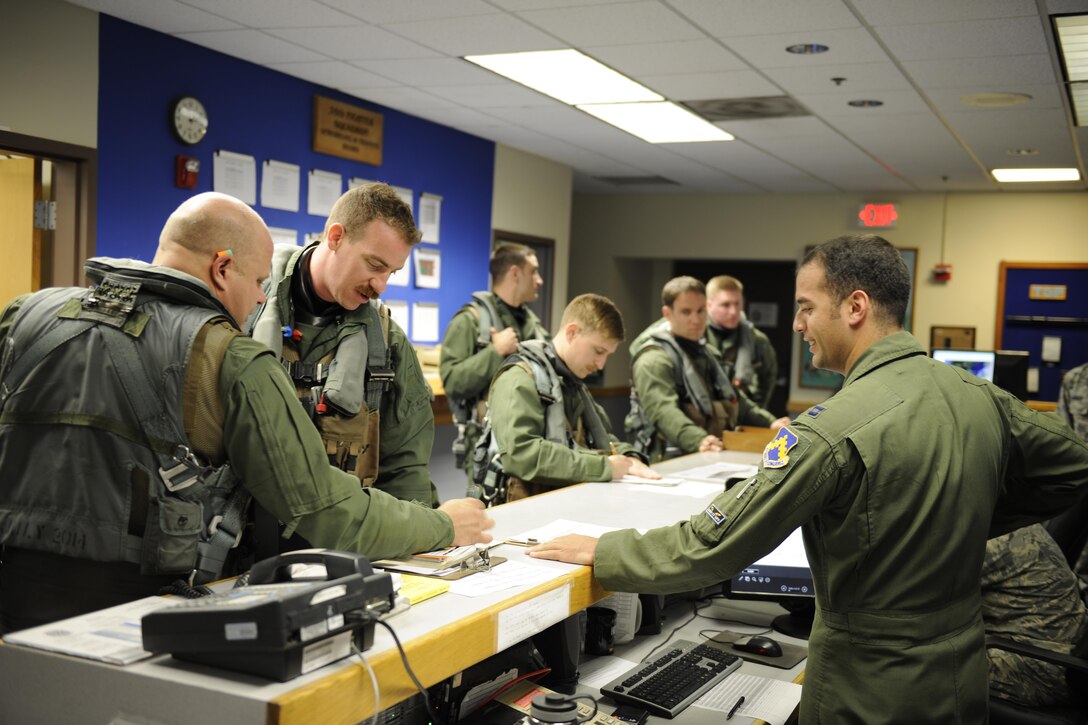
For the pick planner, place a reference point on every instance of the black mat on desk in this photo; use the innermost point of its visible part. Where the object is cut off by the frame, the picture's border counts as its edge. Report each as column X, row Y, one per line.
column 791, row 653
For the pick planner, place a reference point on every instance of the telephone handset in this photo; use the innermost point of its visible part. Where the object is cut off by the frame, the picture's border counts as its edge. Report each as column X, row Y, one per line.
column 337, row 564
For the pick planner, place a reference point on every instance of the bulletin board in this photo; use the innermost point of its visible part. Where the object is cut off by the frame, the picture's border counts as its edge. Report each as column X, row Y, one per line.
column 1043, row 308
column 264, row 115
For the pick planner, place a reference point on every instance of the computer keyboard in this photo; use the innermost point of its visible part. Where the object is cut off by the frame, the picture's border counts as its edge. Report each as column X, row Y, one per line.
column 674, row 680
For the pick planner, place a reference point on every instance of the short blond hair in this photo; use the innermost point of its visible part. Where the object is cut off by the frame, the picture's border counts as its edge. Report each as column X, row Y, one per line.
column 595, row 313
column 723, row 283
column 375, row 201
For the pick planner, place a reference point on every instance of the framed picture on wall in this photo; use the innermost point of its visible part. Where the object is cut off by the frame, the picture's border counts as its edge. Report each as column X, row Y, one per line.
column 810, row 377
column 948, row 337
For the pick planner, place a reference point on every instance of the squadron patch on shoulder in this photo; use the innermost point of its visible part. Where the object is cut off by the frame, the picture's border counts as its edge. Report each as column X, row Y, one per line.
column 775, row 455
column 715, row 515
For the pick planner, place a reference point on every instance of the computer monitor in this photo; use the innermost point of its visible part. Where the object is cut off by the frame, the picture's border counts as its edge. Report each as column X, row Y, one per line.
column 783, row 576
column 976, row 362
column 1011, row 372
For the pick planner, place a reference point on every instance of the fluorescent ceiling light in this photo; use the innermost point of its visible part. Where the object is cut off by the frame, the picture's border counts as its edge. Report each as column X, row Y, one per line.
column 657, row 122
column 1079, row 93
column 1073, row 39
column 1024, row 175
column 566, row 75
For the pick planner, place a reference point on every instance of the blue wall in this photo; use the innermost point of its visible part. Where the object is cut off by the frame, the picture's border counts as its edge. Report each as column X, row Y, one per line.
column 268, row 115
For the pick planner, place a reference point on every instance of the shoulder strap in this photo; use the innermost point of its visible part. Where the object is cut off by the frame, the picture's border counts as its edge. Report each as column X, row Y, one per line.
column 548, row 387
column 488, row 316
column 598, row 435
column 690, row 381
column 38, row 351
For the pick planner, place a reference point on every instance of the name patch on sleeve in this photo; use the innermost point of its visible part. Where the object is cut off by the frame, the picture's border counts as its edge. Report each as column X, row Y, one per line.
column 715, row 515
column 776, row 454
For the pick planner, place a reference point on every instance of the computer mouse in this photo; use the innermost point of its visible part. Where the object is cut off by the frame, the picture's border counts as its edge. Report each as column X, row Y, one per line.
column 760, row 645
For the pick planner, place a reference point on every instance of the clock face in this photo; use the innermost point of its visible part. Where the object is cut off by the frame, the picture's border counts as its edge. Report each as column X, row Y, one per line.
column 190, row 120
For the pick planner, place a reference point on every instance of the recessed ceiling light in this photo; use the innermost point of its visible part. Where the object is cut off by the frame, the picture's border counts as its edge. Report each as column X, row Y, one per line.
column 865, row 103
column 995, row 100
column 807, row 48
column 567, row 76
column 1073, row 41
column 1023, row 152
column 657, row 122
column 1028, row 175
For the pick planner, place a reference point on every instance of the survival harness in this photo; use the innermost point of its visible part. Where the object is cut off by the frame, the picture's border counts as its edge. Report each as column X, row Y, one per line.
column 469, row 413
column 331, row 390
column 193, row 514
column 488, row 475
column 704, row 406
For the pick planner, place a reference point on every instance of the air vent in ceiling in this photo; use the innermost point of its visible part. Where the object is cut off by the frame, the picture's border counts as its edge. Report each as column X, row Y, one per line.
column 636, row 180
column 747, row 109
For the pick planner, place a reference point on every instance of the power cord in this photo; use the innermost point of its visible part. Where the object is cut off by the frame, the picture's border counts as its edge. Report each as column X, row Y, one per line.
column 438, row 719
column 373, row 681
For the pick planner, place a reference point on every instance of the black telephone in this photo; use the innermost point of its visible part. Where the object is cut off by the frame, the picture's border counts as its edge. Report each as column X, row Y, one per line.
column 276, row 625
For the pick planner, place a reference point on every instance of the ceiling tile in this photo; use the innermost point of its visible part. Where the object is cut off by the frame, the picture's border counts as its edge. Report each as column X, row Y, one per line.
column 685, row 56
column 490, row 94
column 275, row 13
column 432, row 71
column 408, row 100
column 853, row 45
column 615, row 24
column 334, row 74
column 882, row 12
column 166, row 16
column 950, row 99
column 354, row 42
column 837, row 104
column 809, row 127
column 380, row 12
column 997, row 38
column 732, row 18
column 698, row 86
column 252, row 45
column 495, row 33
column 993, row 72
column 857, row 77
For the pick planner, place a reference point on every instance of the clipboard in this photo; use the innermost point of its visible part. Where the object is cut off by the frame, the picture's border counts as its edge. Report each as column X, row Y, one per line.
column 448, row 564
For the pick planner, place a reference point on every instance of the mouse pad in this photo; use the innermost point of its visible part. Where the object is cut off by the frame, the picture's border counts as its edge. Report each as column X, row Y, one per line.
column 791, row 653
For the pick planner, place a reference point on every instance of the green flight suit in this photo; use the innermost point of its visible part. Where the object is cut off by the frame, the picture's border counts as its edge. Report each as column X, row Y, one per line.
column 654, row 377
column 897, row 481
column 764, row 374
column 406, row 418
column 467, row 367
column 518, row 424
column 243, row 411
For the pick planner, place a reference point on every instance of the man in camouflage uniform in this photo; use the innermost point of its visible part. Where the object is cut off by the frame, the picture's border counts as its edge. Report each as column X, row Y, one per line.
column 101, row 503
column 1030, row 595
column 744, row 349
column 1073, row 400
column 472, row 353
column 897, row 481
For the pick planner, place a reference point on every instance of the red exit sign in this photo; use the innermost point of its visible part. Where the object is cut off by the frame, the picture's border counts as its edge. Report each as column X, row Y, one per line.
column 876, row 216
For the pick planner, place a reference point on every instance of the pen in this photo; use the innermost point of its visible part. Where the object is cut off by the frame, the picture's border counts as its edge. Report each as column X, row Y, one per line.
column 733, row 710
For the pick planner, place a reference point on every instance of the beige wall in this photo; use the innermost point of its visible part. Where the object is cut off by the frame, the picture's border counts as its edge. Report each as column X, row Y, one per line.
column 618, row 244
column 49, row 71
column 533, row 196
column 16, row 226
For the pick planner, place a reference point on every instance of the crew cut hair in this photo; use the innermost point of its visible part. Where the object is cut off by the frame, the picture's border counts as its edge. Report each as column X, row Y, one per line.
column 507, row 255
column 595, row 313
column 869, row 263
column 723, row 283
column 678, row 286
column 370, row 202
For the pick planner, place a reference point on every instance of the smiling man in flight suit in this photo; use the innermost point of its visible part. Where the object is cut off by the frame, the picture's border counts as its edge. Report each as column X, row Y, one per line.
column 897, row 481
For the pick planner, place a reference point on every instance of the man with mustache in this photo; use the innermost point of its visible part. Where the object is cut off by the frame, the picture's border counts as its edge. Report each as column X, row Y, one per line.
column 353, row 367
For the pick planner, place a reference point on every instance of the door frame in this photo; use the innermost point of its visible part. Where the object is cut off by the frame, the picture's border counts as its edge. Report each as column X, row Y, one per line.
column 75, row 189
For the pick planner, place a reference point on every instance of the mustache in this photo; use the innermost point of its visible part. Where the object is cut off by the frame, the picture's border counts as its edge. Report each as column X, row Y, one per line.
column 370, row 292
